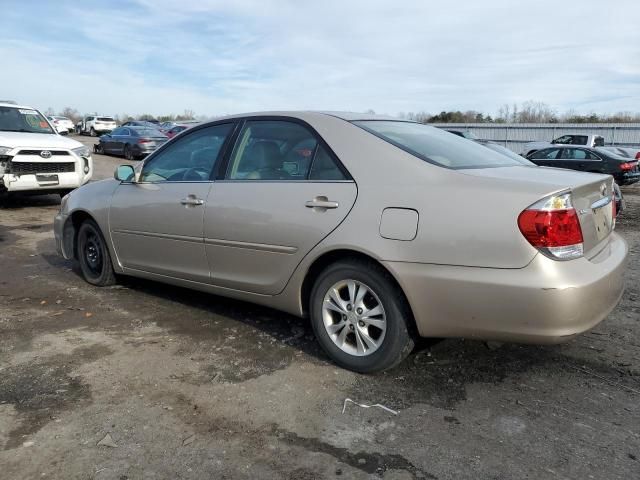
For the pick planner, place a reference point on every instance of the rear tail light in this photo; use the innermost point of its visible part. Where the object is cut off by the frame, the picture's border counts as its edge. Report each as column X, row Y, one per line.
column 628, row 166
column 638, row 156
column 144, row 140
column 552, row 226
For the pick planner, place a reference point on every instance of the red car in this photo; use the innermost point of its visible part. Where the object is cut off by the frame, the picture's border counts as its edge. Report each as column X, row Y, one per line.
column 172, row 132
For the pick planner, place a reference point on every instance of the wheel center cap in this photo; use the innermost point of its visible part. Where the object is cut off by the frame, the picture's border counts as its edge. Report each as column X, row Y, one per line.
column 352, row 317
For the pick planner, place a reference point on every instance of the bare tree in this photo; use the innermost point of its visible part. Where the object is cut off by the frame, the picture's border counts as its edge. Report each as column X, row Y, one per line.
column 72, row 114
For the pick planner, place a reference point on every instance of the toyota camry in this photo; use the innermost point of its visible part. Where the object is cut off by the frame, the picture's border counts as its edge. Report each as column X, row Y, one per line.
column 376, row 229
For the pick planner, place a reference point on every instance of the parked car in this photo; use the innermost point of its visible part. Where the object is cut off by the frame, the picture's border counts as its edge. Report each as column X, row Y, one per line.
column 166, row 127
column 628, row 152
column 95, row 125
column 62, row 124
column 132, row 142
column 624, row 170
column 139, row 123
column 34, row 158
column 584, row 140
column 377, row 229
column 179, row 128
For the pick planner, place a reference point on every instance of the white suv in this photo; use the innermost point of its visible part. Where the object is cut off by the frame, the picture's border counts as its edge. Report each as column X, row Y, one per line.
column 33, row 157
column 96, row 125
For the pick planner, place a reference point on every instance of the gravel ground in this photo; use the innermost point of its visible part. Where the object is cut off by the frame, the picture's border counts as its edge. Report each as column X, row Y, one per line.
column 147, row 381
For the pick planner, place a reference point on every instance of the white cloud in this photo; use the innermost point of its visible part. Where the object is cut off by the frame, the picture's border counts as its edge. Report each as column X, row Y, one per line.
column 221, row 57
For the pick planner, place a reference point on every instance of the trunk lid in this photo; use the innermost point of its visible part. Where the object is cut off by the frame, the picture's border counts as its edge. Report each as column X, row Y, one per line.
column 591, row 194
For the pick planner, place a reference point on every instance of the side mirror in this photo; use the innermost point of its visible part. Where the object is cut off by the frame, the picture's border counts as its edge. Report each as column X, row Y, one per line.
column 124, row 173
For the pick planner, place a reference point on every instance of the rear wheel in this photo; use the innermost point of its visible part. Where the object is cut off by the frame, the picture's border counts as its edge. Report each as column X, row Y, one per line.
column 360, row 317
column 93, row 255
column 128, row 154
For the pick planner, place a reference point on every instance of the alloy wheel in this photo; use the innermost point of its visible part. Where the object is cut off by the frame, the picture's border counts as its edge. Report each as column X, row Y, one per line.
column 354, row 317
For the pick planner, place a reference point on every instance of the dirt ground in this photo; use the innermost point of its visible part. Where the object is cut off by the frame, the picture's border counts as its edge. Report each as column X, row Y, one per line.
column 147, row 381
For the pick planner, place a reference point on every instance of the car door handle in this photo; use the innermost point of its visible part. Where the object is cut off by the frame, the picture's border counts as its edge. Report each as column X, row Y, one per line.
column 321, row 203
column 192, row 200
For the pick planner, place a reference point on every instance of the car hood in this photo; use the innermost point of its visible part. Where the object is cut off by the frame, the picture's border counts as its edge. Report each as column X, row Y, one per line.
column 36, row 140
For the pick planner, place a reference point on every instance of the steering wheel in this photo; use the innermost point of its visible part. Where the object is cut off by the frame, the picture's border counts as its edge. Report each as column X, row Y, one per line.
column 196, row 173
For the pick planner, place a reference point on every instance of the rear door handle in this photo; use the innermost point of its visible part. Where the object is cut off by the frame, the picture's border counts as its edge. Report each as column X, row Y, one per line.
column 321, row 203
column 192, row 200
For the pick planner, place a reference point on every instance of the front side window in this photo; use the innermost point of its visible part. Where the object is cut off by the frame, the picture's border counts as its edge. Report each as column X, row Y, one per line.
column 24, row 120
column 189, row 159
column 435, row 146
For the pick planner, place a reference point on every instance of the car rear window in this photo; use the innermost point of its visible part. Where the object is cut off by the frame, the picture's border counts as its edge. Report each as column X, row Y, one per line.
column 149, row 132
column 436, row 146
column 105, row 119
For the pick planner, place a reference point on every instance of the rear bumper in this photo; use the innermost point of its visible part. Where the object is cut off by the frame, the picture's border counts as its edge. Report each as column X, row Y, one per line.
column 628, row 178
column 546, row 302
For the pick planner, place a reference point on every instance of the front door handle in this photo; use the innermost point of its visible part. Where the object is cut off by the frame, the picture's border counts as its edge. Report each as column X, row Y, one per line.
column 192, row 200
column 321, row 203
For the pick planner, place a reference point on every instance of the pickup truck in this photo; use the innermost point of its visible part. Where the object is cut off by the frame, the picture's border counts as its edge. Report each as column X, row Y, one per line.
column 590, row 141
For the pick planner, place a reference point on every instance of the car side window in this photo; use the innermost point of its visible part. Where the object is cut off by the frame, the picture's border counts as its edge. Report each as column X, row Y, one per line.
column 272, row 150
column 573, row 154
column 189, row 159
column 545, row 154
column 564, row 139
column 324, row 167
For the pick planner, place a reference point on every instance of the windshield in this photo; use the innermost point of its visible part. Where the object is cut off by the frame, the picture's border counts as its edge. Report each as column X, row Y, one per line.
column 23, row 120
column 436, row 146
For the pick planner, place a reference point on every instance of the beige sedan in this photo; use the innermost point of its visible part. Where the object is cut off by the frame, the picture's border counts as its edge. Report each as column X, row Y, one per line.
column 378, row 230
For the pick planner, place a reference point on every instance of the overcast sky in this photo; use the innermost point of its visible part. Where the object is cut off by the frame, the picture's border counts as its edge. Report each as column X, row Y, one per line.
column 216, row 57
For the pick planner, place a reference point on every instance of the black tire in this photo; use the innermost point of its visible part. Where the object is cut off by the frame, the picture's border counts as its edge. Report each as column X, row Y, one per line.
column 397, row 342
column 128, row 154
column 92, row 132
column 97, row 148
column 93, row 255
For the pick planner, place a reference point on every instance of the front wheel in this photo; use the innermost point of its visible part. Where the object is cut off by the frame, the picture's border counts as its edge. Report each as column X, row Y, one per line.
column 93, row 255
column 360, row 317
column 92, row 132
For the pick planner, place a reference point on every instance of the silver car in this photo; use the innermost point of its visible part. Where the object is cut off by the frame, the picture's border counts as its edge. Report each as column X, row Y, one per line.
column 378, row 230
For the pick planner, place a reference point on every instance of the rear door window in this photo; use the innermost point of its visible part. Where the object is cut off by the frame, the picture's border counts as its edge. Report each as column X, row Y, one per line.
column 545, row 154
column 272, row 150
